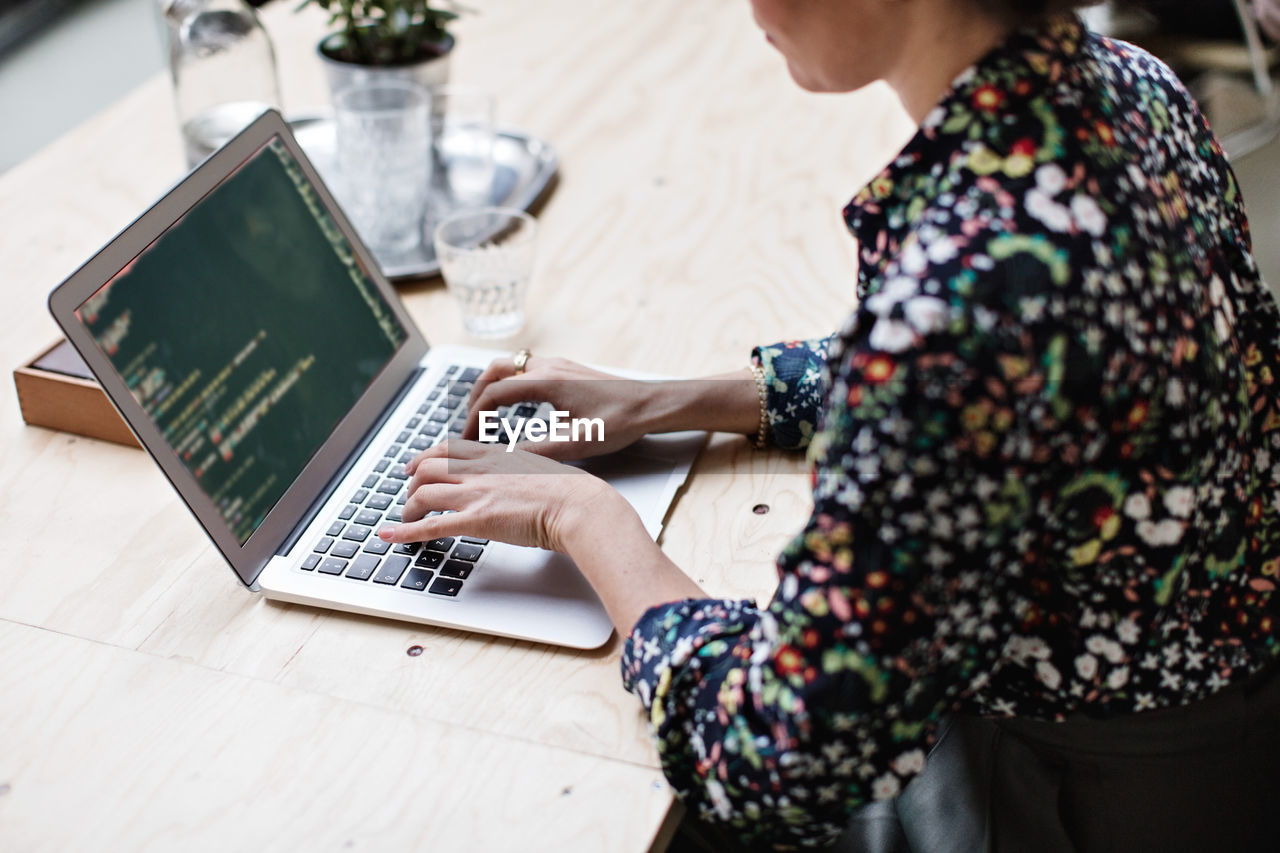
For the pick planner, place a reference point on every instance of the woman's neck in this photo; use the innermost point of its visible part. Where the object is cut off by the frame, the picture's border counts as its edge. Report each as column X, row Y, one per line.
column 943, row 39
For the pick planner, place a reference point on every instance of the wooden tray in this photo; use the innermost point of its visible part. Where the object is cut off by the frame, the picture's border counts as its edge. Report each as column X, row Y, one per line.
column 56, row 390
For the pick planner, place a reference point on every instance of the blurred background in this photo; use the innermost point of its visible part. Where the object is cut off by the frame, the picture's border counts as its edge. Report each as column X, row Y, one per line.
column 1217, row 46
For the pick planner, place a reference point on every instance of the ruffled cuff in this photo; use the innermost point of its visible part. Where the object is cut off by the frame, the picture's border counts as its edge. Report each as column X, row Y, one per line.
column 795, row 374
column 669, row 636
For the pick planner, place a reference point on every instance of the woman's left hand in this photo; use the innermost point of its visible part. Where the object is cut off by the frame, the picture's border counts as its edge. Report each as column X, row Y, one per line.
column 515, row 496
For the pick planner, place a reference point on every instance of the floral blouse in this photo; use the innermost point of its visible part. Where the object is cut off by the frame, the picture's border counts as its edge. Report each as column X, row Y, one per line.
column 1041, row 453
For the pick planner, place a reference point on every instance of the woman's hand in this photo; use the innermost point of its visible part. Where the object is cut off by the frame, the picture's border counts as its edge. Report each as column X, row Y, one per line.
column 624, row 406
column 515, row 497
column 628, row 408
column 527, row 499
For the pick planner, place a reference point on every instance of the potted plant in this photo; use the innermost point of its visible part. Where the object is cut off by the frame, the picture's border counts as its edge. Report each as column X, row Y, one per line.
column 398, row 38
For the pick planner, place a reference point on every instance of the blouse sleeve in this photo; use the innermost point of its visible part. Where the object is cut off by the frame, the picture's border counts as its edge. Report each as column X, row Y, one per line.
column 796, row 379
column 776, row 721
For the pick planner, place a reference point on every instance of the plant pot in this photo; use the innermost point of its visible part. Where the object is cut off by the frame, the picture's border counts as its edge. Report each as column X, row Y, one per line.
column 429, row 71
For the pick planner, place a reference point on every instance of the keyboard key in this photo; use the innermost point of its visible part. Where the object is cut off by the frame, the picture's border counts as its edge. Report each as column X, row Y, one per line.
column 392, row 568
column 432, row 396
column 402, row 438
column 470, row 553
column 406, row 458
column 359, row 496
column 451, row 370
column 335, row 528
column 420, row 443
column 409, row 548
column 525, row 410
column 432, row 427
column 455, row 400
column 363, row 566
column 332, row 566
column 310, row 562
column 426, row 407
column 412, row 424
column 345, row 550
column 377, row 546
column 398, row 473
column 357, row 532
column 347, row 511
column 382, row 465
column 428, row 560
column 439, row 416
column 379, row 502
column 393, row 451
column 368, row 517
column 416, row 579
column 471, row 374
column 456, row 569
column 474, row 541
column 446, row 586
column 403, row 499
column 323, row 545
column 390, row 486
column 395, row 515
column 370, row 481
column 442, row 544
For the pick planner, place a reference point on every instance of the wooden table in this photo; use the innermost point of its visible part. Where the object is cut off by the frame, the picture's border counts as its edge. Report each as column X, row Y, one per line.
column 149, row 701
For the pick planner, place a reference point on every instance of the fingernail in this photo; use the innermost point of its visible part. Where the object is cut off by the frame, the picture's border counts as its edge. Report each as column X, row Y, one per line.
column 385, row 533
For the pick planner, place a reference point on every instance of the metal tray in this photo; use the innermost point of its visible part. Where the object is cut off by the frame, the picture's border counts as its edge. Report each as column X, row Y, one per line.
column 524, row 167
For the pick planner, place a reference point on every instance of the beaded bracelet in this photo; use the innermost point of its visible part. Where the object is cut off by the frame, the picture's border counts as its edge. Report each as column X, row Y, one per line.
column 762, row 389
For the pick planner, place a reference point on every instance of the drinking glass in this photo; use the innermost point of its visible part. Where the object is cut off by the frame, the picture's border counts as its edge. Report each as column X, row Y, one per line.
column 462, row 147
column 384, row 161
column 486, row 256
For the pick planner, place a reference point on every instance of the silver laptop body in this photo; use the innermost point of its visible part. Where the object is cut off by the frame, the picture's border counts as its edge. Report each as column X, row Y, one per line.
column 248, row 338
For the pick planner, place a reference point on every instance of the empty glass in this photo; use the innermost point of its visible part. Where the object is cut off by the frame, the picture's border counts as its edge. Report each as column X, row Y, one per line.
column 384, row 161
column 462, row 148
column 486, row 256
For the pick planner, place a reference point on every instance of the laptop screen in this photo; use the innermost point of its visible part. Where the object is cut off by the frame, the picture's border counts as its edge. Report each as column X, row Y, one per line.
column 246, row 332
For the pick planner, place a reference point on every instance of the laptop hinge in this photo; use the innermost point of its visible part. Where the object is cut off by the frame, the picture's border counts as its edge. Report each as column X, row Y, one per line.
column 345, row 468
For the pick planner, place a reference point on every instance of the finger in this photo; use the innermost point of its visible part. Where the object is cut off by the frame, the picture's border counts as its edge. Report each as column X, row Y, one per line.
column 558, row 450
column 424, row 529
column 436, row 469
column 447, row 462
column 449, row 449
column 436, row 497
column 498, row 369
column 507, row 392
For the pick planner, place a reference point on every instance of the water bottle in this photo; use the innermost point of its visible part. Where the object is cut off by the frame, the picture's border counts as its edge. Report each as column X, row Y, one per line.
column 223, row 69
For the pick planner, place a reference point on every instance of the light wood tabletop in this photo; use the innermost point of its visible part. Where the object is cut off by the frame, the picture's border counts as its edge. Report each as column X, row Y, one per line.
column 151, row 701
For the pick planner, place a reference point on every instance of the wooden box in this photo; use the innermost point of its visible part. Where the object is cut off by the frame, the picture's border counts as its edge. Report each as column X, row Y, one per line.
column 56, row 390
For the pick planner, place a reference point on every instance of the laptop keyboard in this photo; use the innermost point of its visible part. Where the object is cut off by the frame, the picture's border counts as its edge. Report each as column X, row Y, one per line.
column 351, row 548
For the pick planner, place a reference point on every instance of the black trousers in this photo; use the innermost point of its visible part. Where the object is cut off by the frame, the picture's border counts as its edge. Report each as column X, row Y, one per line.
column 1198, row 779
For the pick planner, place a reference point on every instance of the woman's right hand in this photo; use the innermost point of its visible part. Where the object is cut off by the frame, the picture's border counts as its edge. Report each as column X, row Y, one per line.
column 625, row 406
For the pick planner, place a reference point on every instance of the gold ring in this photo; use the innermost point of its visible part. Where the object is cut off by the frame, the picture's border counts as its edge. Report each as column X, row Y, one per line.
column 520, row 360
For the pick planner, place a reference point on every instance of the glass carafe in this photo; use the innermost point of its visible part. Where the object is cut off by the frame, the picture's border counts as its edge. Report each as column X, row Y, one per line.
column 223, row 68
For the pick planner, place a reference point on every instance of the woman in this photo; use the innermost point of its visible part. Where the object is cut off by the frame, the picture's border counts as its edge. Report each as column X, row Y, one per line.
column 1043, row 476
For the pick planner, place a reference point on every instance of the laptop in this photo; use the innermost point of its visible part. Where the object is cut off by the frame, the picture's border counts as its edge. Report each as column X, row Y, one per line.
column 248, row 338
